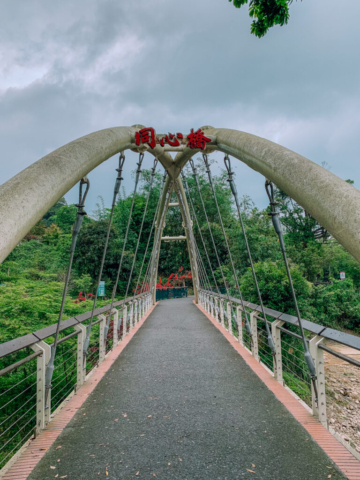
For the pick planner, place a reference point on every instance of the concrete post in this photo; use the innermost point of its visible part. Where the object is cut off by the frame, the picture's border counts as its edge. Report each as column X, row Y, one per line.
column 42, row 411
column 124, row 321
column 135, row 312
column 277, row 365
column 80, row 370
column 115, row 314
column 229, row 312
column 131, row 313
column 222, row 312
column 239, row 322
column 216, row 309
column 212, row 306
column 102, row 339
column 319, row 407
column 254, row 331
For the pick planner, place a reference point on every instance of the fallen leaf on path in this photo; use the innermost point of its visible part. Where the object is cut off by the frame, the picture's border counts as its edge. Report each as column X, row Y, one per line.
column 180, row 460
column 57, row 448
column 116, row 420
column 107, row 473
column 253, row 465
column 64, row 476
column 149, row 416
column 124, row 415
column 142, row 435
column 251, row 471
column 137, row 473
column 91, row 455
column 52, row 468
column 169, row 463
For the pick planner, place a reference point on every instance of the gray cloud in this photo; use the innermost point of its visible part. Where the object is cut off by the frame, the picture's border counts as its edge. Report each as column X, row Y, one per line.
column 70, row 68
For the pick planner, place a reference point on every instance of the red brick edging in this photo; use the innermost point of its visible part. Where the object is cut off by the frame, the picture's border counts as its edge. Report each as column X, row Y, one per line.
column 345, row 461
column 38, row 447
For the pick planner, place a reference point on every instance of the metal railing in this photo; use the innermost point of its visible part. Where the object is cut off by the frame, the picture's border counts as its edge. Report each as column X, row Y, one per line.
column 338, row 387
column 24, row 410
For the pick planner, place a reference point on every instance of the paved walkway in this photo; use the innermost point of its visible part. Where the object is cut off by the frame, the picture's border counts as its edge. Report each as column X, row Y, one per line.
column 180, row 403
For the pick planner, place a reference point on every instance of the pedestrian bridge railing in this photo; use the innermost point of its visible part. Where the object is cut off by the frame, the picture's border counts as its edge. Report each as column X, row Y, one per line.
column 25, row 409
column 337, row 401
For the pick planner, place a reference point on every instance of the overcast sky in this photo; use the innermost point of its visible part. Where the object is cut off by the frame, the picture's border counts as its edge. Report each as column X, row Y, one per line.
column 73, row 67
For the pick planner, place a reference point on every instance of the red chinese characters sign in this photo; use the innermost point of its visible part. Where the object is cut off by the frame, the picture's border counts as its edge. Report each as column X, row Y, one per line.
column 194, row 140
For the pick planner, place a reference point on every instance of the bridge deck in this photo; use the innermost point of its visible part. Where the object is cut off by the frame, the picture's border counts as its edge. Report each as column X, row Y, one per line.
column 180, row 402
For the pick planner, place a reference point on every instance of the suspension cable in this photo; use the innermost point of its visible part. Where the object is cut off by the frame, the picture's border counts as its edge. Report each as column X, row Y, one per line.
column 115, row 194
column 150, row 235
column 75, row 232
column 248, row 328
column 207, row 165
column 277, row 226
column 152, row 175
column 198, row 226
column 235, row 195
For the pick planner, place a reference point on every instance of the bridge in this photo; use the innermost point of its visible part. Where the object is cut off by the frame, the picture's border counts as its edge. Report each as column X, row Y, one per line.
column 205, row 386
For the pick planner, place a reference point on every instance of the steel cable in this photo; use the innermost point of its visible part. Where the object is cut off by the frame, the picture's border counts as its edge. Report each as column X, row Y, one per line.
column 277, row 226
column 235, row 195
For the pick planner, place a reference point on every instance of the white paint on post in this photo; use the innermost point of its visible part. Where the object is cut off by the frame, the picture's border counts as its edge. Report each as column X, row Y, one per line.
column 80, row 370
column 319, row 407
column 102, row 339
column 124, row 321
column 115, row 314
column 254, row 331
column 229, row 312
column 239, row 323
column 276, row 336
column 43, row 411
column 222, row 312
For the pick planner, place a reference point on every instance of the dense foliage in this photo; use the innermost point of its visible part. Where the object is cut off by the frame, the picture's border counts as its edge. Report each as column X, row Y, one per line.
column 266, row 13
column 32, row 276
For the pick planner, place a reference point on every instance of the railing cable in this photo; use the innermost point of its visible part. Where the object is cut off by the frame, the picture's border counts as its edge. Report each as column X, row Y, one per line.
column 277, row 226
column 235, row 195
column 75, row 232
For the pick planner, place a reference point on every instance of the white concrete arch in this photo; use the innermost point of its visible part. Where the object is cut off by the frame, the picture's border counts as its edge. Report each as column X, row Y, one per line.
column 25, row 198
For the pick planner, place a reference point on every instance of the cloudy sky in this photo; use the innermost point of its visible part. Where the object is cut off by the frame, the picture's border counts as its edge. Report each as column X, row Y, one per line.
column 73, row 67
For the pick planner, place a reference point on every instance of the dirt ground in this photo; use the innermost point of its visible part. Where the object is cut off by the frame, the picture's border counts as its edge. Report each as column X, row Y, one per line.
column 343, row 394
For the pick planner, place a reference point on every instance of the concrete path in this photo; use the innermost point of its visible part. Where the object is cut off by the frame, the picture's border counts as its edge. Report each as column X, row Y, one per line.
column 180, row 403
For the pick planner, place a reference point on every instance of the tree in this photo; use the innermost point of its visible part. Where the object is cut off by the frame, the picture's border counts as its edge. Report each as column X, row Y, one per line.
column 267, row 14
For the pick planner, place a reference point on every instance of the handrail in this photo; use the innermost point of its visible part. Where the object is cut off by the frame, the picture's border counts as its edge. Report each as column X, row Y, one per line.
column 25, row 341
column 326, row 332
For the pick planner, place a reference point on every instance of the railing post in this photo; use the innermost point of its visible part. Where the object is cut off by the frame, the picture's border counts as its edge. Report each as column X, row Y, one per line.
column 43, row 411
column 239, row 322
column 216, row 309
column 229, row 312
column 124, row 321
column 212, row 306
column 80, row 370
column 102, row 346
column 131, row 315
column 222, row 312
column 115, row 314
column 254, row 331
column 135, row 312
column 319, row 407
column 277, row 362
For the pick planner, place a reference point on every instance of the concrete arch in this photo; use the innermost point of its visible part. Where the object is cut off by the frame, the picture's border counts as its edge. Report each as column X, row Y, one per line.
column 25, row 198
